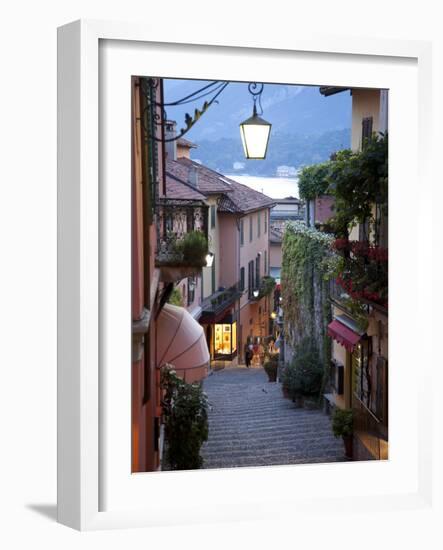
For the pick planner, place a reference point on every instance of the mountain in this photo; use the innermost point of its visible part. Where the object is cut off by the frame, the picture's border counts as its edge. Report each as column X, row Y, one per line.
column 285, row 150
column 306, row 126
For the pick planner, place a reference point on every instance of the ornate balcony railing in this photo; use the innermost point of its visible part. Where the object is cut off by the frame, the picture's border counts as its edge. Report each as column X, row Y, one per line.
column 182, row 233
column 221, row 300
column 341, row 298
column 337, row 294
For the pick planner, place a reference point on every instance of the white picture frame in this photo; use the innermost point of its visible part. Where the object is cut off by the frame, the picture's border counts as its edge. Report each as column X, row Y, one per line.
column 95, row 488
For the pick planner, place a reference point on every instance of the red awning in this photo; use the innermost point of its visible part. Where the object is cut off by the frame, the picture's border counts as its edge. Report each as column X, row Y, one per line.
column 343, row 335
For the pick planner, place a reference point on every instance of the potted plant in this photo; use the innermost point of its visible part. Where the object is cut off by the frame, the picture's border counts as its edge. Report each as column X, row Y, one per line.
column 271, row 367
column 342, row 426
column 185, row 415
column 194, row 247
column 285, row 378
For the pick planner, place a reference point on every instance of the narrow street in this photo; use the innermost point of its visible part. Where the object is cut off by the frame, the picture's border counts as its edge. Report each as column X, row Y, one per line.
column 252, row 424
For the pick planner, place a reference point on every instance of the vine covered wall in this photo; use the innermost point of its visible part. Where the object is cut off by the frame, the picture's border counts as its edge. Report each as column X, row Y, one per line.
column 306, row 265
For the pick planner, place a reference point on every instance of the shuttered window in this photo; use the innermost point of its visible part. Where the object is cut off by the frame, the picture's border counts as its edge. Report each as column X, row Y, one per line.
column 366, row 129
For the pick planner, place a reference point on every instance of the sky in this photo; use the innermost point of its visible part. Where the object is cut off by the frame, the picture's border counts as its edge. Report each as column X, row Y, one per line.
column 291, row 109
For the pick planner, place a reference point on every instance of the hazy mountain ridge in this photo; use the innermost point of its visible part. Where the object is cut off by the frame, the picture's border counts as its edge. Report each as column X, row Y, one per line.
column 226, row 154
column 306, row 126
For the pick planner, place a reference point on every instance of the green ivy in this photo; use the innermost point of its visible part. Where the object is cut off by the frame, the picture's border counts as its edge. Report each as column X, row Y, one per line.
column 307, row 264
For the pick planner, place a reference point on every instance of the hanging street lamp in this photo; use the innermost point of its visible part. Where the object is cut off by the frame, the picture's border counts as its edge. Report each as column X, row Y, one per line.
column 209, row 259
column 255, row 131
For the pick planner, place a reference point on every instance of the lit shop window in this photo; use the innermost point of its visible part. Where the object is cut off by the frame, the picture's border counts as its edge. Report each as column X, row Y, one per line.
column 225, row 340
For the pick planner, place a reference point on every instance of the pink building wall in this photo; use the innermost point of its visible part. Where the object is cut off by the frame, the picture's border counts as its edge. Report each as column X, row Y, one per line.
column 254, row 316
column 323, row 208
column 275, row 254
column 145, row 382
column 229, row 273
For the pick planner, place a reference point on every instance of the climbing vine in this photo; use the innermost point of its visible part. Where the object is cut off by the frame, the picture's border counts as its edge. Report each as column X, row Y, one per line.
column 307, row 265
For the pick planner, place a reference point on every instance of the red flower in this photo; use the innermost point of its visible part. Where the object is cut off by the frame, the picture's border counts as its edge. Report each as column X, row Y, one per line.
column 341, row 244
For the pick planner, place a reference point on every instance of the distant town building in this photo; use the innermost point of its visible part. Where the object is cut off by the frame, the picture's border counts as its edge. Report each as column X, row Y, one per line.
column 284, row 210
column 287, row 209
column 284, row 171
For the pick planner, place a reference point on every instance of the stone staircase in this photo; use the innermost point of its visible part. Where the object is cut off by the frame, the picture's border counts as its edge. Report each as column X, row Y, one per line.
column 251, row 424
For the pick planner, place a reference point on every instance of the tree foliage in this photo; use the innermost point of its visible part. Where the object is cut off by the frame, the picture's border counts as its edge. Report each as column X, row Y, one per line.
column 358, row 180
column 313, row 181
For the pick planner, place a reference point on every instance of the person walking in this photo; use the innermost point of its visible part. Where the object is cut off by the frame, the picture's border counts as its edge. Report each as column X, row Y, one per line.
column 248, row 357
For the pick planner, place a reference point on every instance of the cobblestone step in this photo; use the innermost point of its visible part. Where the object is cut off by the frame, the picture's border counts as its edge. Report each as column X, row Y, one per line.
column 251, row 424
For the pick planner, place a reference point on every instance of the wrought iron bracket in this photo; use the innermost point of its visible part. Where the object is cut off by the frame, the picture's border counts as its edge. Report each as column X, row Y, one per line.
column 151, row 114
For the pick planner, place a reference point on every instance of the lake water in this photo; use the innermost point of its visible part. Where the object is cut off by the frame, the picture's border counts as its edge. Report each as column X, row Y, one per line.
column 276, row 188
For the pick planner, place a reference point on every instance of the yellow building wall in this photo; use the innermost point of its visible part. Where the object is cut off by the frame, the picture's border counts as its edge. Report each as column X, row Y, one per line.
column 365, row 103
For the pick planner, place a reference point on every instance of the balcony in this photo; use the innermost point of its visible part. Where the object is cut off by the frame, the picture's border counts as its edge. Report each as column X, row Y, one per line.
column 216, row 305
column 341, row 298
column 266, row 287
column 338, row 295
column 182, row 238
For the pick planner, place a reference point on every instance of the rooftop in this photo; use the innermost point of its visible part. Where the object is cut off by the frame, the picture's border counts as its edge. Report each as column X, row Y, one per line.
column 178, row 189
column 208, row 183
column 235, row 197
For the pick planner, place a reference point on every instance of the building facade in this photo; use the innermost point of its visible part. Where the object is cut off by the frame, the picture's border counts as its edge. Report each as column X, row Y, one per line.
column 359, row 369
column 285, row 210
column 161, row 333
column 222, row 298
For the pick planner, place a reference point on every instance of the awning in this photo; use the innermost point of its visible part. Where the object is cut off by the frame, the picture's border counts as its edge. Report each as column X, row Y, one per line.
column 343, row 335
column 181, row 342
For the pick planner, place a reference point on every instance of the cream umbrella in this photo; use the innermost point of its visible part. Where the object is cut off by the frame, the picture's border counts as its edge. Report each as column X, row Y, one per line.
column 181, row 342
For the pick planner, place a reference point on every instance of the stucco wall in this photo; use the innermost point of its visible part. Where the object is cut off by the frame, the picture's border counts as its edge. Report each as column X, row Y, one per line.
column 257, row 312
column 145, row 390
column 275, row 255
column 214, row 248
column 323, row 208
column 228, row 249
column 365, row 103
column 251, row 248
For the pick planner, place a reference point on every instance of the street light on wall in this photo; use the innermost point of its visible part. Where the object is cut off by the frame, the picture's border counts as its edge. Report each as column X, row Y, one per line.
column 209, row 259
column 273, row 315
column 255, row 131
column 255, row 293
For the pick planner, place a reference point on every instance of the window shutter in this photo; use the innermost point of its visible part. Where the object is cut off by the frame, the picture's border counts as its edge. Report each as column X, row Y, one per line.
column 366, row 131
